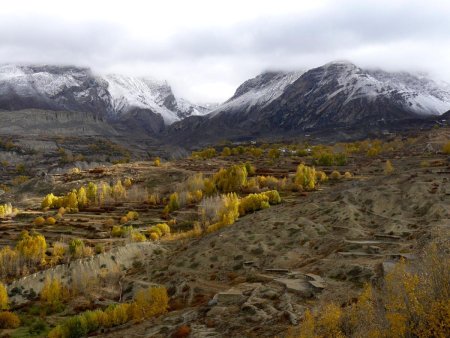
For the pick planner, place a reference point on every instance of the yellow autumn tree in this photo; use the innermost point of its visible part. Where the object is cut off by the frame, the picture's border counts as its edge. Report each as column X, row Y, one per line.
column 4, row 300
column 305, row 177
column 53, row 294
column 32, row 247
column 82, row 198
column 388, row 168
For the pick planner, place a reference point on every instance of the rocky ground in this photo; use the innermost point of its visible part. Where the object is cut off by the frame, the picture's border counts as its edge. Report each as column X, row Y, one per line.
column 257, row 276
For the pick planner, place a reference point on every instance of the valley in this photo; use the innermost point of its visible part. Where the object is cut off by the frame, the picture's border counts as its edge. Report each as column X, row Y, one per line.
column 232, row 265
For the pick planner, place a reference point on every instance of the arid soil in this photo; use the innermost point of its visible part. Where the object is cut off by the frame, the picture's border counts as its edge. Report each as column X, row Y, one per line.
column 256, row 277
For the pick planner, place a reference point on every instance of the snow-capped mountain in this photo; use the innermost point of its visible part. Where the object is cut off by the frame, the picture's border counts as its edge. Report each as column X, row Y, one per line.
column 68, row 88
column 335, row 95
column 257, row 92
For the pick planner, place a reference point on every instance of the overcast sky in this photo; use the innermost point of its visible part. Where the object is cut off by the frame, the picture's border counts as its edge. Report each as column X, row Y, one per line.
column 205, row 49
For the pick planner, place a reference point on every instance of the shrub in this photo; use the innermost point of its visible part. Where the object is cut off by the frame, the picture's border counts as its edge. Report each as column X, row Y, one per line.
column 388, row 168
column 305, row 177
column 154, row 236
column 50, row 220
column 164, row 227
column 325, row 159
column 39, row 221
column 32, row 247
column 151, row 302
column 253, row 202
column 231, row 179
column 9, row 320
column 53, row 294
column 157, row 162
column 321, row 176
column 132, row 215
column 226, row 151
column 4, row 300
column 446, row 148
column 335, row 175
column 222, row 209
column 204, row 154
column 274, row 153
column 127, row 182
column 156, row 230
column 123, row 220
column 136, row 236
column 174, row 203
column 91, row 192
column 153, row 199
column 348, row 175
column 6, row 210
column 121, row 231
column 273, row 195
column 76, row 248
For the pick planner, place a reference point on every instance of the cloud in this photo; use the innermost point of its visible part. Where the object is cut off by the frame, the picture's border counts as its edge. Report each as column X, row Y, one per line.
column 206, row 51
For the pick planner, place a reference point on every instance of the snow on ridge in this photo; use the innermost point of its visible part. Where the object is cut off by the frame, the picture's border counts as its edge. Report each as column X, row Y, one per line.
column 260, row 96
column 418, row 93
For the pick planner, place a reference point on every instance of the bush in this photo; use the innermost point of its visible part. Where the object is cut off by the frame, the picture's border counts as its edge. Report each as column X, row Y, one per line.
column 226, row 151
column 9, row 320
column 388, row 168
column 174, row 203
column 4, row 300
column 348, row 175
column 154, row 236
column 321, row 176
column 136, row 236
column 305, row 178
column 53, row 294
column 32, row 247
column 39, row 221
column 76, row 248
column 204, row 154
column 157, row 162
column 232, row 179
column 50, row 220
column 412, row 301
column 446, row 148
column 132, row 215
column 164, row 227
column 273, row 195
column 253, row 202
column 123, row 220
column 335, row 175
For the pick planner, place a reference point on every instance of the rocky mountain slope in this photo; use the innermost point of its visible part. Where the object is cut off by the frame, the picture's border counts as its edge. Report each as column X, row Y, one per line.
column 336, row 95
column 120, row 100
column 283, row 104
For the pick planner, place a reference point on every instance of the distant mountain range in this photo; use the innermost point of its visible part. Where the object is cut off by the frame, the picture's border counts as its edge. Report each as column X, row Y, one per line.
column 335, row 95
column 127, row 102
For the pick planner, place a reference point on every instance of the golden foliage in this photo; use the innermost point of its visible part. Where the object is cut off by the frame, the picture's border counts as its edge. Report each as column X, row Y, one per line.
column 413, row 301
column 232, row 179
column 6, row 210
column 53, row 293
column 4, row 300
column 253, row 202
column 204, row 154
column 446, row 148
column 305, row 177
column 39, row 221
column 335, row 175
column 388, row 168
column 9, row 320
column 148, row 303
column 32, row 247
